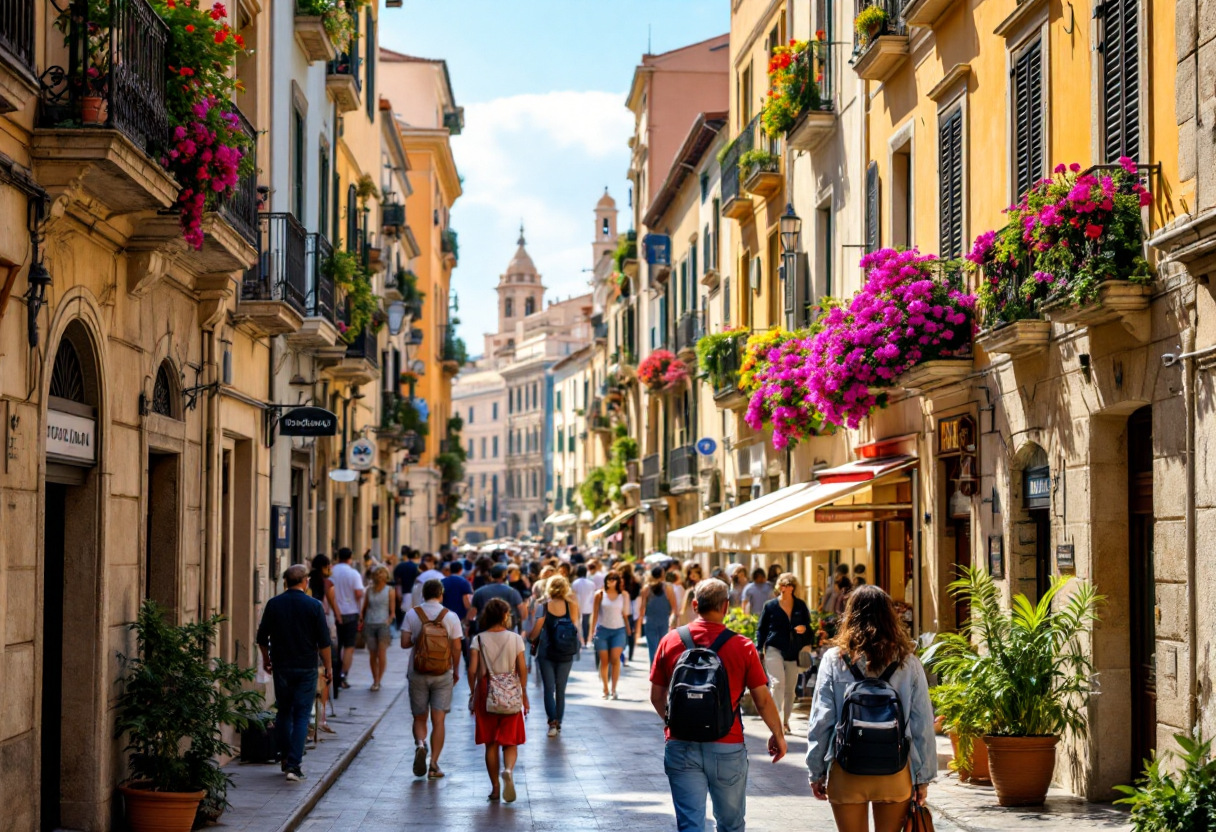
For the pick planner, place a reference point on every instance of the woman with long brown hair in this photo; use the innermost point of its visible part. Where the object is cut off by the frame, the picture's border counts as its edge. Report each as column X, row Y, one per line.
column 871, row 642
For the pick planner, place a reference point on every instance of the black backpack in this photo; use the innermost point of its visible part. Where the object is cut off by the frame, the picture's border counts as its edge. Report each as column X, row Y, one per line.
column 699, row 706
column 562, row 645
column 872, row 735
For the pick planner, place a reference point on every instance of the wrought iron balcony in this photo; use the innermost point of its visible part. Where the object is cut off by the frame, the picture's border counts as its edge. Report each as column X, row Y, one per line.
column 879, row 52
column 115, row 73
column 343, row 79
column 241, row 211
column 392, row 216
column 17, row 33
column 453, row 350
column 652, row 477
column 682, row 469
column 364, row 347
column 735, row 202
column 319, row 299
column 726, row 381
column 688, row 332
column 278, row 278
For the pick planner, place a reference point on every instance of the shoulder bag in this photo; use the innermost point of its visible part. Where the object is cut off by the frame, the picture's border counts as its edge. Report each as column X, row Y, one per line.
column 504, row 694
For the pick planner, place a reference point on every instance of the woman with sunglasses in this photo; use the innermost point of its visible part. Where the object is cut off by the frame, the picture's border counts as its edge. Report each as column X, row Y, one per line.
column 610, row 622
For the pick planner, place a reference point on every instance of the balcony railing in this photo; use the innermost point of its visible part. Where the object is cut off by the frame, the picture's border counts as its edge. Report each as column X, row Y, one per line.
column 688, row 331
column 17, row 31
column 319, row 300
column 453, row 348
column 280, row 273
column 115, row 74
column 682, row 468
column 365, row 347
column 347, row 63
column 392, row 215
column 730, row 165
column 727, row 381
column 893, row 25
column 652, row 477
column 241, row 211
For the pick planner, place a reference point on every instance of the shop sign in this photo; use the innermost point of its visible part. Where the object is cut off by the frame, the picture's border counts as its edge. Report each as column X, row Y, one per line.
column 361, row 455
column 956, row 435
column 843, row 514
column 1036, row 488
column 658, row 249
column 1066, row 556
column 308, row 421
column 71, row 438
column 280, row 521
column 996, row 556
column 706, row 446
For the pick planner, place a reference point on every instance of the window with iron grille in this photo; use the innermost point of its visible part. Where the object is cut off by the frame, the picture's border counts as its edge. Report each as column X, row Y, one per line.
column 950, row 177
column 1027, row 77
column 1120, row 50
column 873, row 233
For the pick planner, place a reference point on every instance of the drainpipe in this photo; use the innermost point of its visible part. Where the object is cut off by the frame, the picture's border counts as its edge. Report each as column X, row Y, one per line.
column 1192, row 599
column 212, row 451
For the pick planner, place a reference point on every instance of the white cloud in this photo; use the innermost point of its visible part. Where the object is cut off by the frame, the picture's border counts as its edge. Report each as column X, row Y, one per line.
column 543, row 159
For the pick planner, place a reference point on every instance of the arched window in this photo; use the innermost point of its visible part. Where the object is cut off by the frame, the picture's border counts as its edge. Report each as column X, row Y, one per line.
column 67, row 376
column 605, row 226
column 509, row 308
column 163, row 390
column 529, row 306
column 352, row 219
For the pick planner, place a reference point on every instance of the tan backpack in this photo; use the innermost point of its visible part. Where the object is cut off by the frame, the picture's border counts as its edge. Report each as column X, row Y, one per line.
column 433, row 650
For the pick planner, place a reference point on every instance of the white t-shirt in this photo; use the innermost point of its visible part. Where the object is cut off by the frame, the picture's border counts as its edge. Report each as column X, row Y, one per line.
column 451, row 621
column 598, row 579
column 584, row 593
column 430, row 574
column 346, row 583
column 679, row 592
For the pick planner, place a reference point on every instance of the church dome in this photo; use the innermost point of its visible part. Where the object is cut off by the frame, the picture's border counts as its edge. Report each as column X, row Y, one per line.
column 606, row 201
column 521, row 263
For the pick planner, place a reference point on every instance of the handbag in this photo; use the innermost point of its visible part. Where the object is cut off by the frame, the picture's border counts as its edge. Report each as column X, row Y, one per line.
column 504, row 693
column 919, row 818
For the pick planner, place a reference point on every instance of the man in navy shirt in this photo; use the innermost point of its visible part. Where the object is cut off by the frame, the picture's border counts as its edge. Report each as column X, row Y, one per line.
column 292, row 635
column 404, row 575
column 458, row 597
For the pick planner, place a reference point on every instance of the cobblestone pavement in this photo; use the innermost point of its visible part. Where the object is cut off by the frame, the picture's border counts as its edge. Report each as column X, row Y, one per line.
column 604, row 772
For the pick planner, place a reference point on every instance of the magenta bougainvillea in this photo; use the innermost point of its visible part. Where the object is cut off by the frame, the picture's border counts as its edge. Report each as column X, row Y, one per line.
column 1068, row 234
column 661, row 370
column 206, row 158
column 779, row 390
column 905, row 314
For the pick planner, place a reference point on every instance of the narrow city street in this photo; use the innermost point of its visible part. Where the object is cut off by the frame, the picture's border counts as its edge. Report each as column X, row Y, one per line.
column 605, row 772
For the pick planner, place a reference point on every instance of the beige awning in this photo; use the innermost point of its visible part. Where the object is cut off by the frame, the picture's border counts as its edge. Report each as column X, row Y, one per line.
column 611, row 526
column 699, row 537
column 790, row 525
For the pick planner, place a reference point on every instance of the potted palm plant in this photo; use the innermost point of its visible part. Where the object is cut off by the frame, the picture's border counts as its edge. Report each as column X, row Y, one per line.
column 176, row 699
column 1028, row 671
column 965, row 722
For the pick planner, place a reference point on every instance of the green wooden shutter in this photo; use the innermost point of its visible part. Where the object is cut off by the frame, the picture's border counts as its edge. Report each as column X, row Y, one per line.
column 1028, row 117
column 1120, row 50
column 950, row 177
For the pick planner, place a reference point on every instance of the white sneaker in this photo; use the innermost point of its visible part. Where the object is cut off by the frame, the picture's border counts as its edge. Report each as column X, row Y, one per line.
column 552, row 730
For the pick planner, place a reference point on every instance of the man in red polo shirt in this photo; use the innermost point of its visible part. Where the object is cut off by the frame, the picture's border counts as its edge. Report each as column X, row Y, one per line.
column 717, row 768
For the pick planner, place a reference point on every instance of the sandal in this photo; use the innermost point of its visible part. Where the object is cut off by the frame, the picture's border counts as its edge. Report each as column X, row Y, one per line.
column 325, row 727
column 493, row 798
column 434, row 773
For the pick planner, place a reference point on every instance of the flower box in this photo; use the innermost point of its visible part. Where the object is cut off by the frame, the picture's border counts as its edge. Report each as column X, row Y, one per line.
column 1017, row 340
column 935, row 374
column 1116, row 300
column 811, row 130
column 763, row 181
column 881, row 57
column 313, row 39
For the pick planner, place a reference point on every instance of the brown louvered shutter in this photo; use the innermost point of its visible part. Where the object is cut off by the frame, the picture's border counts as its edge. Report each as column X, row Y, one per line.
column 950, row 175
column 873, row 237
column 1028, row 117
column 1120, row 78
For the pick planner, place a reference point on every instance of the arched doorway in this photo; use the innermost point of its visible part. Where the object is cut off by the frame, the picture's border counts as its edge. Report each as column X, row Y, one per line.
column 72, row 657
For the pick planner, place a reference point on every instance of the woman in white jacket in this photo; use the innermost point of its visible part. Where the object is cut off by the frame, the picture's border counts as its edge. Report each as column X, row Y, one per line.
column 871, row 640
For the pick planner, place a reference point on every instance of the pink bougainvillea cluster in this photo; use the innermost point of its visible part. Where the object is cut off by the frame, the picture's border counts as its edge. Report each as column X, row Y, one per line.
column 905, row 314
column 661, row 370
column 206, row 157
column 1069, row 233
column 779, row 391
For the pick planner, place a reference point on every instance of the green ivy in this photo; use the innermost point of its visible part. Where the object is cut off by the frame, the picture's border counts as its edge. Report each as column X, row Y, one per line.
column 626, row 249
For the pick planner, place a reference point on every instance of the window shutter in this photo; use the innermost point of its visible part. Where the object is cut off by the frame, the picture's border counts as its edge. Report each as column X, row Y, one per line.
column 950, row 175
column 1120, row 78
column 873, row 237
column 1028, row 117
column 726, row 300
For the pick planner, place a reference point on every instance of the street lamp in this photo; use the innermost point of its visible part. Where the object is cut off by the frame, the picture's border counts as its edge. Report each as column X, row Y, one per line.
column 791, row 227
column 396, row 317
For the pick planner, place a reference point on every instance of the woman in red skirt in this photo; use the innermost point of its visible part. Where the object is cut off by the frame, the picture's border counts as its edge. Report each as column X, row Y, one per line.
column 499, row 651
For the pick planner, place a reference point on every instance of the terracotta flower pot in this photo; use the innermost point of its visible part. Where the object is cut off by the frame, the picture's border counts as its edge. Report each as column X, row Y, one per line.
column 1021, row 768
column 978, row 773
column 939, row 727
column 149, row 811
column 92, row 109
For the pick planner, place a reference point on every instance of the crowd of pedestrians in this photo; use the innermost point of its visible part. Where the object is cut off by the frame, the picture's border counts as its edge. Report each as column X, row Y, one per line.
column 498, row 617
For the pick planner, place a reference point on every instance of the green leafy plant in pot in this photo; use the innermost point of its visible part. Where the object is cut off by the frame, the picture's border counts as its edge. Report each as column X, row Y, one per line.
column 1028, row 670
column 965, row 723
column 176, row 699
column 1182, row 800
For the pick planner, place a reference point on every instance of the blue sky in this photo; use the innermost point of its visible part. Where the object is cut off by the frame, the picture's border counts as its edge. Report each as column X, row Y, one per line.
column 543, row 84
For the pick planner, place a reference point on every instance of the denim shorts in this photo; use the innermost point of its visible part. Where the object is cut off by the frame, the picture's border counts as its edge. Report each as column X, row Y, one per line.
column 606, row 639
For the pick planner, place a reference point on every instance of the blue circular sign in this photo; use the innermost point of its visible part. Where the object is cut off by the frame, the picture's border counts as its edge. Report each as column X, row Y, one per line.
column 706, row 446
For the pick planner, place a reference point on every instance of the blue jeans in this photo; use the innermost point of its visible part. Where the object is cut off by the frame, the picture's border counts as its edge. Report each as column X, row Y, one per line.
column 653, row 636
column 717, row 768
column 554, row 675
column 295, row 690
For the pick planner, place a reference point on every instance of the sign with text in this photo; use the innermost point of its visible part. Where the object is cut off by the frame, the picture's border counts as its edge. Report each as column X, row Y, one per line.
column 71, row 438
column 1066, row 557
column 308, row 421
column 956, row 435
column 1036, row 484
column 658, row 249
column 280, row 521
